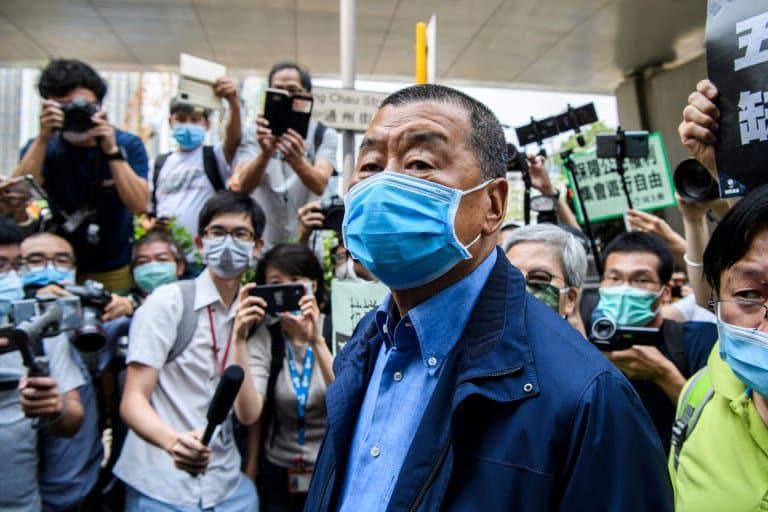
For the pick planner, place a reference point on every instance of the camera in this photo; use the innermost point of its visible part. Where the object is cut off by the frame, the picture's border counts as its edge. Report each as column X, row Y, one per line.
column 94, row 298
column 77, row 115
column 607, row 336
column 333, row 213
column 694, row 183
column 516, row 161
column 635, row 144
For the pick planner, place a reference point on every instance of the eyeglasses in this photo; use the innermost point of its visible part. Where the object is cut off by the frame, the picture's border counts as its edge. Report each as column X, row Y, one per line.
column 541, row 277
column 637, row 282
column 744, row 313
column 6, row 264
column 242, row 234
column 37, row 261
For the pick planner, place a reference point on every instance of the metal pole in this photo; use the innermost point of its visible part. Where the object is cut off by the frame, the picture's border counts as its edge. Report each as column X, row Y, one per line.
column 566, row 158
column 348, row 65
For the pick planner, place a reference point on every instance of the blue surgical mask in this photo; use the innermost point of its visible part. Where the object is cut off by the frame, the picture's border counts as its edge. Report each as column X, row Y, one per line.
column 189, row 136
column 627, row 305
column 401, row 228
column 11, row 289
column 746, row 352
column 48, row 275
column 153, row 274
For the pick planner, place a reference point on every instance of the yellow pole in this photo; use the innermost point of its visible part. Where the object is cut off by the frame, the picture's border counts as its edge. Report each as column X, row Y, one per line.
column 421, row 53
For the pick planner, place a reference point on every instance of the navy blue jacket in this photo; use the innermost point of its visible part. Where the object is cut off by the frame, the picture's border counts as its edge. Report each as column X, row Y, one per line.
column 527, row 415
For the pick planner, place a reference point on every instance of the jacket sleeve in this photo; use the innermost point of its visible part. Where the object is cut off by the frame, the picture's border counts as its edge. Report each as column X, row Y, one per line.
column 615, row 460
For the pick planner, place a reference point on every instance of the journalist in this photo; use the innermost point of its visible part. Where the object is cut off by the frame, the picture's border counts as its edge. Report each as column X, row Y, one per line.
column 452, row 395
column 95, row 175
column 554, row 264
column 156, row 260
column 636, row 269
column 285, row 173
column 31, row 407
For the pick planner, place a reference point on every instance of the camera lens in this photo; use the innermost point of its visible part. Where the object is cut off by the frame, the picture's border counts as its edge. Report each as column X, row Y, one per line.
column 694, row 183
column 603, row 329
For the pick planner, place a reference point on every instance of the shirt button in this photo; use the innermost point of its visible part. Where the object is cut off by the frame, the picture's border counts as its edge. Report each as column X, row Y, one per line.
column 375, row 451
column 398, row 376
column 432, row 361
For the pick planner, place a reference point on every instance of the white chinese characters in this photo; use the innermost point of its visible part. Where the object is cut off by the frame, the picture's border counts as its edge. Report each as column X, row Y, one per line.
column 755, row 32
column 752, row 122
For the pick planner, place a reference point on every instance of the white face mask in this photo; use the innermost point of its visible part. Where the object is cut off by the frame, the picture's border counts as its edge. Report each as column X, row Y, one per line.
column 347, row 271
column 75, row 137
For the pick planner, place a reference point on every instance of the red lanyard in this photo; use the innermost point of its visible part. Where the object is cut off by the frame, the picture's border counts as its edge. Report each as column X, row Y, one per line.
column 215, row 346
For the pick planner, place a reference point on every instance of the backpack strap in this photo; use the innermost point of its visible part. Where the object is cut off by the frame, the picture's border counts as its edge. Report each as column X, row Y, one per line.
column 159, row 163
column 211, row 167
column 188, row 322
column 695, row 396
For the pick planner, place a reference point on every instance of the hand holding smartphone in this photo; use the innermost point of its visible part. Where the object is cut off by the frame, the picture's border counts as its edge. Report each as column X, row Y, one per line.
column 280, row 297
column 284, row 111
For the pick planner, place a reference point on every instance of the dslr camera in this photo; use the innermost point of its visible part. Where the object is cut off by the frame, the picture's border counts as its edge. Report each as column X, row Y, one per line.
column 607, row 336
column 90, row 337
column 333, row 213
column 77, row 115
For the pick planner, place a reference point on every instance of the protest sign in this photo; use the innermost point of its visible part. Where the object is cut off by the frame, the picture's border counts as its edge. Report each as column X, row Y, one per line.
column 649, row 181
column 737, row 63
column 350, row 301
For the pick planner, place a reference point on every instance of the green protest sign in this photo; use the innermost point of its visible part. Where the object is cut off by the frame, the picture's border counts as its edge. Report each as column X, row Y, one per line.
column 649, row 181
column 350, row 301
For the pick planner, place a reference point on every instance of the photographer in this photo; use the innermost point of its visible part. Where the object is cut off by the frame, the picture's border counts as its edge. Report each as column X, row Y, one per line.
column 637, row 267
column 156, row 260
column 50, row 406
column 93, row 173
column 285, row 173
column 185, row 178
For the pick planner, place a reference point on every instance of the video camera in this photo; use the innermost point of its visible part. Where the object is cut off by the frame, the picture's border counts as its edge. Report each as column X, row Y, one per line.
column 77, row 115
column 607, row 336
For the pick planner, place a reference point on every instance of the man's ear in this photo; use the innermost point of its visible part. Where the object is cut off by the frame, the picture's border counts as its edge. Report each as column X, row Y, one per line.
column 181, row 266
column 258, row 245
column 571, row 301
column 666, row 295
column 199, row 244
column 498, row 190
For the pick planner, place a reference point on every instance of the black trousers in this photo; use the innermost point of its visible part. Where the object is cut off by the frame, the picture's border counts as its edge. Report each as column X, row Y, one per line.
column 272, row 484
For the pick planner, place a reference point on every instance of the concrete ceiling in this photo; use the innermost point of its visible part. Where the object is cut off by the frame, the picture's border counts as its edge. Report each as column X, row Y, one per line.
column 578, row 45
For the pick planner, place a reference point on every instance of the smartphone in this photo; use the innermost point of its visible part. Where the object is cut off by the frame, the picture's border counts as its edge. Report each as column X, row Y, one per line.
column 18, row 185
column 280, row 297
column 284, row 111
column 635, row 145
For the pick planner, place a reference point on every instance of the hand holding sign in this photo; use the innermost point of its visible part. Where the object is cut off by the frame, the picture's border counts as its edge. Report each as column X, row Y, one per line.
column 699, row 126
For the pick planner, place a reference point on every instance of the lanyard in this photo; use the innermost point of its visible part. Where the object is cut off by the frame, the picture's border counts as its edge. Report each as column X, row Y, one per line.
column 215, row 345
column 300, row 384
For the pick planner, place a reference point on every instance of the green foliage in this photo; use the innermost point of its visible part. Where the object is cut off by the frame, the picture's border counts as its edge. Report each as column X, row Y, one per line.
column 142, row 225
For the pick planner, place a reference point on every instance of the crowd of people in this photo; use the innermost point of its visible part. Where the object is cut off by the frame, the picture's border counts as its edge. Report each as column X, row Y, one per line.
column 491, row 377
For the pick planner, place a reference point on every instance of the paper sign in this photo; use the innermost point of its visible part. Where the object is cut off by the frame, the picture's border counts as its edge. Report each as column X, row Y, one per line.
column 737, row 63
column 350, row 301
column 197, row 79
column 649, row 181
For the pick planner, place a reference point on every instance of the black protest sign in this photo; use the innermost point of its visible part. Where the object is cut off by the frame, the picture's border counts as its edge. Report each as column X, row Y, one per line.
column 737, row 63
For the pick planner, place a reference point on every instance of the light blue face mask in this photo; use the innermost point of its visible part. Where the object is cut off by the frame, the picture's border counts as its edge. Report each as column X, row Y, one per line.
column 188, row 135
column 48, row 275
column 11, row 289
column 746, row 352
column 153, row 274
column 627, row 305
column 401, row 228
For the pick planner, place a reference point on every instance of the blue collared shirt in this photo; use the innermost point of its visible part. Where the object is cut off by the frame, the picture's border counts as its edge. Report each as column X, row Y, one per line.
column 407, row 369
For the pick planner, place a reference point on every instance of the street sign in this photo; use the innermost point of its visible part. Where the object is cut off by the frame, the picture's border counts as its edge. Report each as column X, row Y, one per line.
column 649, row 181
column 345, row 109
column 350, row 301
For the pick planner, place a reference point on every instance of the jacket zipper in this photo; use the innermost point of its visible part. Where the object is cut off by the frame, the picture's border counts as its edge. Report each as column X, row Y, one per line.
column 444, row 452
column 325, row 487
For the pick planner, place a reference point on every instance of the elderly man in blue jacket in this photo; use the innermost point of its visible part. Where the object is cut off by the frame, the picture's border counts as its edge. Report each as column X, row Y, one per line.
column 463, row 392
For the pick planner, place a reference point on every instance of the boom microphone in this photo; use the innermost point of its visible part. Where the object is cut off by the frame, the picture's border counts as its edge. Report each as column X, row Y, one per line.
column 223, row 399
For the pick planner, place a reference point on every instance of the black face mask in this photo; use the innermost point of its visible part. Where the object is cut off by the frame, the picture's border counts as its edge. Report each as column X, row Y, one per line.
column 677, row 291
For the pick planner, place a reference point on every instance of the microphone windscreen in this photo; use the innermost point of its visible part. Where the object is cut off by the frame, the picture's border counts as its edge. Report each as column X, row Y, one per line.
column 225, row 394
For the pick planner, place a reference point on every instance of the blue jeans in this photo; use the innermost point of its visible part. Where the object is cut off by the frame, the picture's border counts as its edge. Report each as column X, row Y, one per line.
column 244, row 499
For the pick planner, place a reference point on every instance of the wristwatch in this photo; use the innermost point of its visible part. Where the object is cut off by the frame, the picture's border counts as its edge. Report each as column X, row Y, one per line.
column 117, row 155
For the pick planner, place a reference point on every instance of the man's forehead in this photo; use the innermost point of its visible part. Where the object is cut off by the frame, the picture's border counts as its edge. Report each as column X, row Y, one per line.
column 45, row 243
column 632, row 261
column 427, row 115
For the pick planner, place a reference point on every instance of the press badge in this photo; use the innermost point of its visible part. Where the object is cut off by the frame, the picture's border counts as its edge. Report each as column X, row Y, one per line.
column 298, row 480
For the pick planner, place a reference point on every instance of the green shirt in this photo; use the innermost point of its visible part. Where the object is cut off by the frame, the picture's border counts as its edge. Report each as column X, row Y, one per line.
column 724, row 461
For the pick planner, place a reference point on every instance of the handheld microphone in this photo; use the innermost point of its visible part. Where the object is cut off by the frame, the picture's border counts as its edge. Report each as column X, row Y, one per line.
column 223, row 399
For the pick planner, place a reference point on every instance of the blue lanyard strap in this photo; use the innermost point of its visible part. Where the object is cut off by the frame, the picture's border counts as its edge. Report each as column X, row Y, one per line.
column 300, row 385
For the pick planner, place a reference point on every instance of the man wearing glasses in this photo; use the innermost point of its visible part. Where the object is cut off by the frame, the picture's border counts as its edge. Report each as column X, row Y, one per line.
column 637, row 269
column 284, row 173
column 163, row 462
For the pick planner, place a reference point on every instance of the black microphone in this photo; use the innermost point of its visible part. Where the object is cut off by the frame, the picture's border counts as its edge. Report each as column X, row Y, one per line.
column 223, row 399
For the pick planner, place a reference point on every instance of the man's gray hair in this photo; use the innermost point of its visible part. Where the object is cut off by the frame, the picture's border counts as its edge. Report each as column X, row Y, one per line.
column 573, row 257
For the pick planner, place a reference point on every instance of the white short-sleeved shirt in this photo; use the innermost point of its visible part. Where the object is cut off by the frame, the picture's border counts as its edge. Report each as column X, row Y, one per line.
column 691, row 311
column 183, row 187
column 283, row 447
column 18, row 437
column 181, row 397
column 281, row 193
